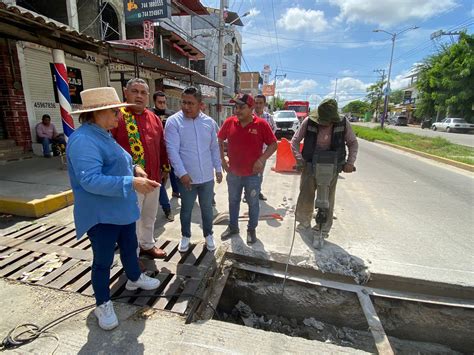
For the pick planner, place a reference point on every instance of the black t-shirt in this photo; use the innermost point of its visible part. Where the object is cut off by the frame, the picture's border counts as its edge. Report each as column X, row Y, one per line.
column 163, row 114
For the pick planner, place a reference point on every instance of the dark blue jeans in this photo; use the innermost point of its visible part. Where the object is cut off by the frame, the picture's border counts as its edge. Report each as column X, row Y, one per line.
column 103, row 239
column 205, row 193
column 174, row 181
column 46, row 142
column 251, row 185
column 164, row 199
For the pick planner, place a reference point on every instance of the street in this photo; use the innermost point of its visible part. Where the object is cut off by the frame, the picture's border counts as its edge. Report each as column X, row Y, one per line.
column 407, row 214
column 457, row 138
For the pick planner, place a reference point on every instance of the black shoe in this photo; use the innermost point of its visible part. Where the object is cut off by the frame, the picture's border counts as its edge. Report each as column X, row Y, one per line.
column 229, row 232
column 262, row 197
column 169, row 216
column 251, row 236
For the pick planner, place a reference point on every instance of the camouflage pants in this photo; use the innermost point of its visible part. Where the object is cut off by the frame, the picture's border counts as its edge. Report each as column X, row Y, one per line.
column 306, row 199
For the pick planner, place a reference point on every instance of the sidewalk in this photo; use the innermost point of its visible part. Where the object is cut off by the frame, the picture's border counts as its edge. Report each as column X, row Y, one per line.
column 34, row 187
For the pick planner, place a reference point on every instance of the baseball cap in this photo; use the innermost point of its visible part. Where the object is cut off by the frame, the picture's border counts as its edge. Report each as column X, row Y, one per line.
column 243, row 99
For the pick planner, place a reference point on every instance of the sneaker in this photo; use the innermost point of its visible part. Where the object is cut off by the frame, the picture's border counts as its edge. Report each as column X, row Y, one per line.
column 251, row 236
column 144, row 282
column 262, row 197
column 106, row 316
column 229, row 232
column 211, row 246
column 169, row 216
column 184, row 245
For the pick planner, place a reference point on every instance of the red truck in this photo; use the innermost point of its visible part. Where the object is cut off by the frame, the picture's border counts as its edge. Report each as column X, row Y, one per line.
column 300, row 107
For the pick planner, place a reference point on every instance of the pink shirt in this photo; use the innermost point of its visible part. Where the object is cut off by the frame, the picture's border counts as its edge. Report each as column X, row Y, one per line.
column 46, row 131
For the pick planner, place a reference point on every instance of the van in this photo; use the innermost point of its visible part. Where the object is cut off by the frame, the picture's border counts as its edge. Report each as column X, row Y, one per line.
column 398, row 120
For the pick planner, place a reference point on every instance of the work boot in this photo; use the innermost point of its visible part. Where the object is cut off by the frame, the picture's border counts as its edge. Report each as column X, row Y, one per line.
column 251, row 236
column 229, row 232
column 262, row 197
column 169, row 216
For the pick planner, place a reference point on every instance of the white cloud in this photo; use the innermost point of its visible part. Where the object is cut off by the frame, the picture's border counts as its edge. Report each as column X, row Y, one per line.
column 390, row 12
column 253, row 12
column 296, row 89
column 296, row 19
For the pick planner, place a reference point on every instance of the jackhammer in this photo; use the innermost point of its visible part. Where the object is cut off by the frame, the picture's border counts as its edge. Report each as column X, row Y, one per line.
column 325, row 170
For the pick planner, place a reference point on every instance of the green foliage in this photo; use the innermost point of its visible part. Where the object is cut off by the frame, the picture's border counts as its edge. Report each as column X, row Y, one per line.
column 356, row 108
column 446, row 81
column 396, row 96
column 436, row 146
column 374, row 96
column 279, row 103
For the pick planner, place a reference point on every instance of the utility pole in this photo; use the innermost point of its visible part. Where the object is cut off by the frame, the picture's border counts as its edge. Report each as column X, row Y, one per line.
column 275, row 86
column 387, row 87
column 220, row 55
column 379, row 96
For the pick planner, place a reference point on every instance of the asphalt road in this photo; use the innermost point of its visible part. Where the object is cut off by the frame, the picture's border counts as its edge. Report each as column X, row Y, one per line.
column 407, row 215
column 457, row 138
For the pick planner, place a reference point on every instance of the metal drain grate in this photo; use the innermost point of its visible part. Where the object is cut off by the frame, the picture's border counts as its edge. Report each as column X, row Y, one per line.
column 52, row 256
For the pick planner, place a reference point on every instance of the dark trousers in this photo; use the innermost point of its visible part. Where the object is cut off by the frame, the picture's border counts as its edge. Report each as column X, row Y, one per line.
column 46, row 142
column 104, row 238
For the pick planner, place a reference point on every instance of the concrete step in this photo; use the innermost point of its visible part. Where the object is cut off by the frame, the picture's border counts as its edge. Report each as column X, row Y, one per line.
column 10, row 150
column 14, row 156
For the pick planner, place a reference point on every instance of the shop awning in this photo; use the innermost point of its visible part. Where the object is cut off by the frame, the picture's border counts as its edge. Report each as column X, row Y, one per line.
column 23, row 25
column 134, row 55
column 188, row 7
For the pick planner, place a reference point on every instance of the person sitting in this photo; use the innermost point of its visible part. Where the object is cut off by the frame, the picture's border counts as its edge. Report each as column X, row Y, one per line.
column 47, row 134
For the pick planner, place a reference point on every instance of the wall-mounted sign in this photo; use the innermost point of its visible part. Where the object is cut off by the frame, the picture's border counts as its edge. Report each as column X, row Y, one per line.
column 268, row 90
column 140, row 10
column 75, row 84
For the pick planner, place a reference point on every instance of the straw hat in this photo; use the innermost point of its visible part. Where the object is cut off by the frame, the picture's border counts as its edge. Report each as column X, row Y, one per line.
column 99, row 99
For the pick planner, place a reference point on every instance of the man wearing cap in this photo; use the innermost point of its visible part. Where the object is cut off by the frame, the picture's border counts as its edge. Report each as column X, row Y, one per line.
column 140, row 133
column 245, row 134
column 322, row 130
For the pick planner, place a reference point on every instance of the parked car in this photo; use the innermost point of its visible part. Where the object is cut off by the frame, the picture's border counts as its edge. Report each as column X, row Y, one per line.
column 426, row 123
column 287, row 123
column 398, row 120
column 453, row 125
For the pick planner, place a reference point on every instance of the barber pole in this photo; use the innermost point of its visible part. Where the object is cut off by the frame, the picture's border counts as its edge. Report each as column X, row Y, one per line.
column 62, row 85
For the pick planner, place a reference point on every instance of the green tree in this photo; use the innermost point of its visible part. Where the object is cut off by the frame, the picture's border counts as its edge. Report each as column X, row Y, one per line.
column 357, row 108
column 396, row 96
column 278, row 103
column 446, row 81
column 375, row 96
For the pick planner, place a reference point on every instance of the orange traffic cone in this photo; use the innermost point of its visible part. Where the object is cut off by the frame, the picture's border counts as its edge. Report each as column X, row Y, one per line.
column 285, row 161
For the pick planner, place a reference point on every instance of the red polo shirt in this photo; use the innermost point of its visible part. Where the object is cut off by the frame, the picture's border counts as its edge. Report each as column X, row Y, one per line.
column 244, row 144
column 153, row 141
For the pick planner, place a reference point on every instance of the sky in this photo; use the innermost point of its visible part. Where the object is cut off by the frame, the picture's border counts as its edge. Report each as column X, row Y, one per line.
column 318, row 43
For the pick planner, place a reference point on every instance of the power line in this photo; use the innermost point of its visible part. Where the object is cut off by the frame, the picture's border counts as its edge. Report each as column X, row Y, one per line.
column 276, row 35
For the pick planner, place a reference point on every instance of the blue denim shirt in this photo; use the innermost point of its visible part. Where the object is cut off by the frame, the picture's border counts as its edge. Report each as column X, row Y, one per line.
column 101, row 175
column 192, row 146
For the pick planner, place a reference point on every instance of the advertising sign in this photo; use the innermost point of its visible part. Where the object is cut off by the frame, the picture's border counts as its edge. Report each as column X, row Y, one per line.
column 75, row 84
column 141, row 10
column 268, row 90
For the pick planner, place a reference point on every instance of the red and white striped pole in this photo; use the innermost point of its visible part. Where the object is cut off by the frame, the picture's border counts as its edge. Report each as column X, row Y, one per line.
column 62, row 86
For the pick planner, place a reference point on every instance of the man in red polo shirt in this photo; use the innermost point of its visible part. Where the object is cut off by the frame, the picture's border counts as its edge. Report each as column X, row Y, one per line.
column 140, row 133
column 245, row 134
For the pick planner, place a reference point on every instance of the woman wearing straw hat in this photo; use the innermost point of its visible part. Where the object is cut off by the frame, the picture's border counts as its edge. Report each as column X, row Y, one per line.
column 105, row 199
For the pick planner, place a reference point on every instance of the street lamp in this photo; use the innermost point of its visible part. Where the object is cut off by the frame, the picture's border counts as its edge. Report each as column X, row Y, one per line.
column 387, row 87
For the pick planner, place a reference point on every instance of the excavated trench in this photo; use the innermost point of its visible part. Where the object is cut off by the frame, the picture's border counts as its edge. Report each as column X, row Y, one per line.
column 335, row 316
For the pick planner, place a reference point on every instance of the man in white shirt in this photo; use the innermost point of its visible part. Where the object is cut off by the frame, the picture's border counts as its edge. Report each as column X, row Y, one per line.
column 191, row 142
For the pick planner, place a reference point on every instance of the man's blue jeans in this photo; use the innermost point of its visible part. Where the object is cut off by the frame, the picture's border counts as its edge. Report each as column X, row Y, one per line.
column 46, row 142
column 164, row 199
column 251, row 185
column 174, row 181
column 205, row 193
column 103, row 239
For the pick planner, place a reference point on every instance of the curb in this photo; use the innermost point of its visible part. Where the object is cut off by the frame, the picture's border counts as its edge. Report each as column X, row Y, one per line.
column 37, row 207
column 430, row 156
